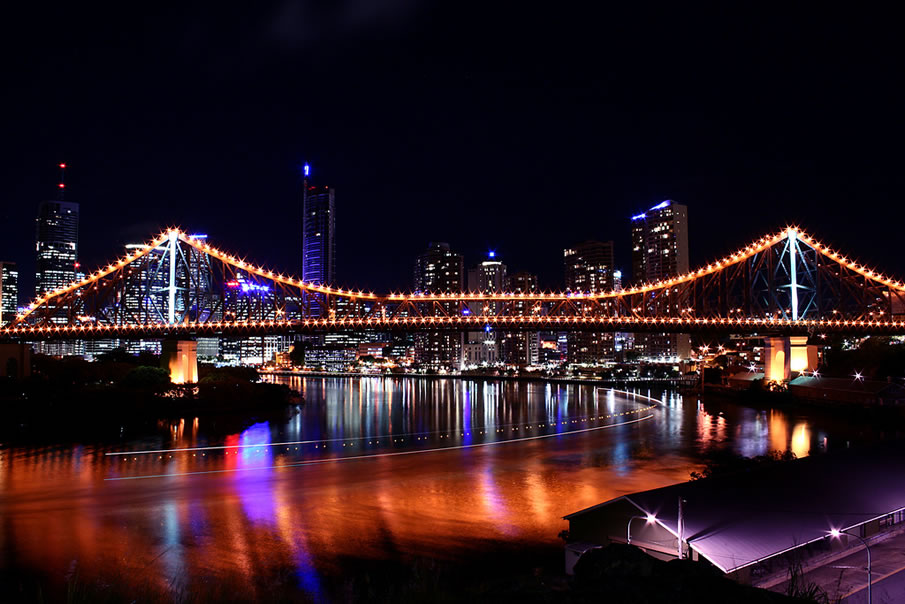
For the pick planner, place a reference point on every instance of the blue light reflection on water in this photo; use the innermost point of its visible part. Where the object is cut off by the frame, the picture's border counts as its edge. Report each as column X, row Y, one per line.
column 255, row 487
column 307, row 517
column 263, row 504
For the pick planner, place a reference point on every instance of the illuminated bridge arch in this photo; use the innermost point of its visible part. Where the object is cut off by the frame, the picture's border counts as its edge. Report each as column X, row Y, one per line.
column 177, row 284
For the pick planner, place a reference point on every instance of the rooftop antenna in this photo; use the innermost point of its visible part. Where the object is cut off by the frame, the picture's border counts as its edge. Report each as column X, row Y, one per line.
column 62, row 185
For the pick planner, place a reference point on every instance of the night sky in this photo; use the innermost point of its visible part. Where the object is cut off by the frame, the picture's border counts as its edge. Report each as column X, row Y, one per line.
column 522, row 128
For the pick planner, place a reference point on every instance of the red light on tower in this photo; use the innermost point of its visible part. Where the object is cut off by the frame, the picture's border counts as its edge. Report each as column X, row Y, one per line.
column 63, row 166
column 61, row 185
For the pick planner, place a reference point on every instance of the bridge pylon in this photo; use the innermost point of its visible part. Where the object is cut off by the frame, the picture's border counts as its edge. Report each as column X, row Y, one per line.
column 180, row 358
column 784, row 355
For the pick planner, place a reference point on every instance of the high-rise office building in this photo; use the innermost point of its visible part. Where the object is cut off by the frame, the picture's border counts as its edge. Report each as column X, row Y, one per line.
column 521, row 347
column 660, row 242
column 659, row 251
column 589, row 269
column 483, row 347
column 57, row 247
column 488, row 276
column 56, row 243
column 589, row 266
column 318, row 232
column 9, row 292
column 439, row 270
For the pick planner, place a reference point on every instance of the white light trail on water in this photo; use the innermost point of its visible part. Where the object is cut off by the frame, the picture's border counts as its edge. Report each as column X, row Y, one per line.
column 323, row 441
column 377, row 455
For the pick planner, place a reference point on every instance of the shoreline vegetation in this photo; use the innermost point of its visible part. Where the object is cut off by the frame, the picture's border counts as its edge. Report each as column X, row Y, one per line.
column 131, row 392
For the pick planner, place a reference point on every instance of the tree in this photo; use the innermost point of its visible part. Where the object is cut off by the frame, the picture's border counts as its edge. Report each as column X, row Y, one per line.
column 297, row 354
column 143, row 377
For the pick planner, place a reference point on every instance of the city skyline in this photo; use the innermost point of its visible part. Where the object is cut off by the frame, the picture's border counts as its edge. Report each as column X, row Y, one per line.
column 554, row 144
column 377, row 301
column 326, row 197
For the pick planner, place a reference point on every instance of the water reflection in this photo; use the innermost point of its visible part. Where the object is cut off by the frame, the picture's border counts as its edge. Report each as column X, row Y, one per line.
column 375, row 467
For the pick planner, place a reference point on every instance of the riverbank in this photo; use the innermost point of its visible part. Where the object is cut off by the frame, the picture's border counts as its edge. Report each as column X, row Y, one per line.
column 758, row 398
column 31, row 408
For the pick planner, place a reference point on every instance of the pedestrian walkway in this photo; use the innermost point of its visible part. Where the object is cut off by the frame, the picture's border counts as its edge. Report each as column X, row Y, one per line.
column 845, row 579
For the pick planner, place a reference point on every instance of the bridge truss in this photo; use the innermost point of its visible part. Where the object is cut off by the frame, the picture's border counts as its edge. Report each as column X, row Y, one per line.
column 180, row 285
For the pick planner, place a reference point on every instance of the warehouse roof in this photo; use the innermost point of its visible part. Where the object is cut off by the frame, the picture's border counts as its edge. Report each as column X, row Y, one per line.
column 737, row 520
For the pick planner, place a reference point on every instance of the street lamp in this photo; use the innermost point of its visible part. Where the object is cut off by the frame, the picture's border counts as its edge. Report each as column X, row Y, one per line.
column 836, row 533
column 628, row 528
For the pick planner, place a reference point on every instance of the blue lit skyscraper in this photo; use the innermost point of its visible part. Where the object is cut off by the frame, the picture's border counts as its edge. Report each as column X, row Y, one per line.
column 318, row 232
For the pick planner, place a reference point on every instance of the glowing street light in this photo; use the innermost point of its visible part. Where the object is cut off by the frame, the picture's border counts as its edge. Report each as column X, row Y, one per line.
column 858, row 377
column 836, row 534
column 649, row 519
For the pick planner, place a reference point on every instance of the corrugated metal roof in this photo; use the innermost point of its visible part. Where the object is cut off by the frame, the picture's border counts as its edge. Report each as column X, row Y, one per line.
column 738, row 520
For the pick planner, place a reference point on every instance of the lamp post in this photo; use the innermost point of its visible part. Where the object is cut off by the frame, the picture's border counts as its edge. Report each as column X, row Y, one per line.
column 836, row 533
column 628, row 528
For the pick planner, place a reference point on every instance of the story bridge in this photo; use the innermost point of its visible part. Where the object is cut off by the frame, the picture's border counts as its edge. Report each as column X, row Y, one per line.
column 179, row 286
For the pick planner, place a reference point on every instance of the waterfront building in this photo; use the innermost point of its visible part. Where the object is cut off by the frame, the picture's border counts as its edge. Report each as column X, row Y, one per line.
column 750, row 525
column 9, row 292
column 659, row 251
column 589, row 268
column 479, row 351
column 439, row 270
column 548, row 350
column 330, row 358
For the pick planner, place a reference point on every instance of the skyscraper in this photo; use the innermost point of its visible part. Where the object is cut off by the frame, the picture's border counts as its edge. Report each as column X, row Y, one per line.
column 521, row 347
column 56, row 242
column 660, row 242
column 56, row 246
column 438, row 270
column 318, row 232
column 589, row 268
column 660, row 250
column 482, row 347
column 9, row 292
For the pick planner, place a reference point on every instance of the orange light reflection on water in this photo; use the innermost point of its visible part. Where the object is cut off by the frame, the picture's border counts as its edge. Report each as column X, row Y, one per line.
column 255, row 516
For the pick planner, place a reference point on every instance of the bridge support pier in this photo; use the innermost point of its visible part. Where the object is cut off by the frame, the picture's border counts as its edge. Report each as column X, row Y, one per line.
column 180, row 358
column 777, row 359
column 783, row 355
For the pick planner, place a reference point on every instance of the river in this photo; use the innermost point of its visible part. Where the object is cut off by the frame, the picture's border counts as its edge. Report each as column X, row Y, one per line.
column 368, row 468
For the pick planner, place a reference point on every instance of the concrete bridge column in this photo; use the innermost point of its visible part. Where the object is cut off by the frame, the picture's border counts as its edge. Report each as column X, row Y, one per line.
column 783, row 355
column 777, row 359
column 180, row 358
column 804, row 355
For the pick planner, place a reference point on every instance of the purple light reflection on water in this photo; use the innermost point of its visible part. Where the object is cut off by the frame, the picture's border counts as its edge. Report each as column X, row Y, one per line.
column 265, row 503
column 243, row 511
column 255, row 487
